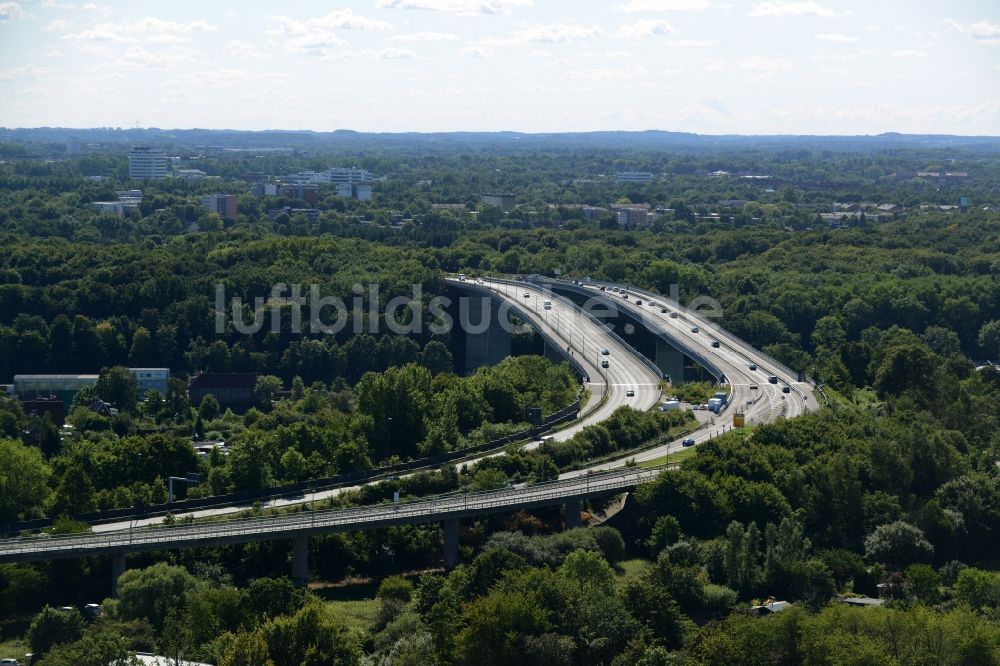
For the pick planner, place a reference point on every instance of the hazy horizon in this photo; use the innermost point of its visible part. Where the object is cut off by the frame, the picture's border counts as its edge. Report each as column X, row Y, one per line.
column 800, row 67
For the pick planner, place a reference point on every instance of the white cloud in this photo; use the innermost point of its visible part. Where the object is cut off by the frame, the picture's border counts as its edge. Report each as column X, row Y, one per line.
column 316, row 36
column 763, row 68
column 644, row 29
column 909, row 53
column 836, row 37
column 457, row 6
column 10, row 11
column 100, row 9
column 152, row 30
column 984, row 32
column 394, row 53
column 245, row 51
column 56, row 24
column 691, row 43
column 554, row 32
column 663, row 6
column 137, row 57
column 606, row 74
column 22, row 73
column 783, row 8
column 477, row 52
column 425, row 37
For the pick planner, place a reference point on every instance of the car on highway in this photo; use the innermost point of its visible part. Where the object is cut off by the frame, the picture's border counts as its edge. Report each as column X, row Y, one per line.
column 753, row 366
column 772, row 379
column 527, row 295
column 604, row 288
column 605, row 352
column 715, row 343
column 754, row 387
column 629, row 393
column 688, row 441
column 673, row 315
column 695, row 329
column 664, row 310
column 548, row 305
column 749, row 401
column 786, row 389
column 638, row 301
column 604, row 364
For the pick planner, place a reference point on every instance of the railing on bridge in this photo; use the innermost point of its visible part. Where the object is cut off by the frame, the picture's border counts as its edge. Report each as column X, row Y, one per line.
column 308, row 522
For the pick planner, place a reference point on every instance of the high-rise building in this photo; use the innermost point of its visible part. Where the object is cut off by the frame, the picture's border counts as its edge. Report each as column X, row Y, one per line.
column 146, row 163
column 223, row 204
column 73, row 146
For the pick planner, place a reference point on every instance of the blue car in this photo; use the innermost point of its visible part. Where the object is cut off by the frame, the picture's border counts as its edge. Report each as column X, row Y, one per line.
column 688, row 442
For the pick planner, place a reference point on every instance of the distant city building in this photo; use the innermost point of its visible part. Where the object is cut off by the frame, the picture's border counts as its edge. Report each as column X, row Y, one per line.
column 591, row 213
column 128, row 201
column 73, row 146
column 632, row 215
column 146, row 163
column 63, row 387
column 151, row 379
column 40, row 406
column 503, row 201
column 190, row 174
column 634, row 177
column 335, row 176
column 262, row 189
column 228, row 388
column 312, row 214
column 307, row 193
column 223, row 204
column 360, row 191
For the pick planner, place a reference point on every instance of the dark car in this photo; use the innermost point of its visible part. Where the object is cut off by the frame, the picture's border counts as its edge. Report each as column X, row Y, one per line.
column 604, row 364
column 772, row 379
column 664, row 310
column 786, row 389
column 688, row 441
column 638, row 301
column 753, row 366
column 715, row 343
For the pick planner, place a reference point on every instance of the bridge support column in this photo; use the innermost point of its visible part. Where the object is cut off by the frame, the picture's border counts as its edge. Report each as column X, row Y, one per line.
column 117, row 569
column 300, row 561
column 571, row 514
column 451, row 543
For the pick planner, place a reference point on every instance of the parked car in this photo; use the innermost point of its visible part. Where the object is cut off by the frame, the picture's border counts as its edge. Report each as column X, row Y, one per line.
column 688, row 441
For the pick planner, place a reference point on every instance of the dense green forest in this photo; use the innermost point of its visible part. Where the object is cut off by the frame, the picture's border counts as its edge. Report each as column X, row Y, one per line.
column 892, row 490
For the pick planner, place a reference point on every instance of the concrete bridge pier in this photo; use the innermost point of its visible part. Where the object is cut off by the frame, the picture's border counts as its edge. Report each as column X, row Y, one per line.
column 300, row 561
column 117, row 569
column 670, row 361
column 451, row 543
column 571, row 514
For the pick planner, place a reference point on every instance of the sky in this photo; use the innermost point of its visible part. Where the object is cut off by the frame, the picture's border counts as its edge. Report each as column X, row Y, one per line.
column 705, row 66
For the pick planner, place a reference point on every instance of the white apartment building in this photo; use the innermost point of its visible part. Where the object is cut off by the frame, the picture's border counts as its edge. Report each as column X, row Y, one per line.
column 147, row 163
